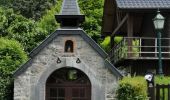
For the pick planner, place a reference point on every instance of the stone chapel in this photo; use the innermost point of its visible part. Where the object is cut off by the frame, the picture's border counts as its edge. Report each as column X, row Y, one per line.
column 67, row 65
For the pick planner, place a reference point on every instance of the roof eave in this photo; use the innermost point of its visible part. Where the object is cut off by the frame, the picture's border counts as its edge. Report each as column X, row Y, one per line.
column 124, row 9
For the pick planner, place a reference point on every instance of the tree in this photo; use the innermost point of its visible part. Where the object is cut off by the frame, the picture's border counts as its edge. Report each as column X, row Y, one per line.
column 93, row 10
column 11, row 57
column 7, row 16
column 14, row 26
column 32, row 8
column 5, row 3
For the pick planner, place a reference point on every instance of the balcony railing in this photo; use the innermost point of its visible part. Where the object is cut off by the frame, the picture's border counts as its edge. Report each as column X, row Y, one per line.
column 140, row 48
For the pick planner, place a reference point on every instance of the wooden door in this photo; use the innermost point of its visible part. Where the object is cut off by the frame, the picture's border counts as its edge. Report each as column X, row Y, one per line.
column 59, row 87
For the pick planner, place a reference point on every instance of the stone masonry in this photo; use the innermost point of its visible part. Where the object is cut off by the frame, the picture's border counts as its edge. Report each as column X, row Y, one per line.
column 30, row 81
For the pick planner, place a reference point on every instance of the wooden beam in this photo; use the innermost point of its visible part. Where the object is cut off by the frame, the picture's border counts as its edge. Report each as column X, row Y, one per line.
column 130, row 26
column 118, row 17
column 119, row 26
column 130, row 33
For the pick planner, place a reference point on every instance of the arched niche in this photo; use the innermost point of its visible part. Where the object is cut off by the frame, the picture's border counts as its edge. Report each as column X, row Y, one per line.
column 69, row 46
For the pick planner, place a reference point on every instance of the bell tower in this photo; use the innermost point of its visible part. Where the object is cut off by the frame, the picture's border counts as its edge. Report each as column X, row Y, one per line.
column 70, row 14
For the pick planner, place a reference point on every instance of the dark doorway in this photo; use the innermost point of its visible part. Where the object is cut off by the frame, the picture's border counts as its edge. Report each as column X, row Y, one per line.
column 68, row 84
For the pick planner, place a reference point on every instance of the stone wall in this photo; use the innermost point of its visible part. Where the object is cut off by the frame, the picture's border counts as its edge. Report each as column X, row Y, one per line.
column 30, row 85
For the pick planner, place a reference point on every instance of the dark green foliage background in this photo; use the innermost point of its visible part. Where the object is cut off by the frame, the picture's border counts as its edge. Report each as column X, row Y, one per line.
column 93, row 11
column 32, row 8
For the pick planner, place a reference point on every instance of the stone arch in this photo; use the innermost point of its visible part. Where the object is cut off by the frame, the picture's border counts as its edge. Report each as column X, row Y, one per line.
column 70, row 83
column 39, row 89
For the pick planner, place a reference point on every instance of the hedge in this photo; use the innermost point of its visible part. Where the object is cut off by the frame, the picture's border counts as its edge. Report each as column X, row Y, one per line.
column 132, row 89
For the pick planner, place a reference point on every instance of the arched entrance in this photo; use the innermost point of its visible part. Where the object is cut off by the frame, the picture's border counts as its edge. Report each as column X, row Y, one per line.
column 68, row 84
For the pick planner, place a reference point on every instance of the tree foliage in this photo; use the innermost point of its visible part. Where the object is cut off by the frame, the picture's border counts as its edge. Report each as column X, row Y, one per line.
column 93, row 10
column 11, row 57
column 48, row 22
column 14, row 26
column 5, row 3
column 28, row 32
column 32, row 8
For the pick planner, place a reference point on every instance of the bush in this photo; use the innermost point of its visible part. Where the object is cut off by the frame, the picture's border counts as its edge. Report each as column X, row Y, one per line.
column 105, row 44
column 132, row 89
column 11, row 57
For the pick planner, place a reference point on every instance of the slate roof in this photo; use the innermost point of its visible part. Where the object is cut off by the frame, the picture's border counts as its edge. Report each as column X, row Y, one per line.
column 70, row 11
column 143, row 4
column 70, row 7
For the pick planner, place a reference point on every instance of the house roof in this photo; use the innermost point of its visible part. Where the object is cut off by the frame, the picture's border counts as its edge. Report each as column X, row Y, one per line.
column 143, row 4
column 68, row 31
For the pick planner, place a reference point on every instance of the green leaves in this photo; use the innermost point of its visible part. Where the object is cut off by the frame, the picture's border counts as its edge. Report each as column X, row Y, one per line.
column 132, row 89
column 106, row 44
column 11, row 57
column 11, row 53
column 28, row 32
column 32, row 8
column 93, row 10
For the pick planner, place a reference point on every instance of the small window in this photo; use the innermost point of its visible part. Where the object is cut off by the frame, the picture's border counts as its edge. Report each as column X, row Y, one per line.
column 68, row 46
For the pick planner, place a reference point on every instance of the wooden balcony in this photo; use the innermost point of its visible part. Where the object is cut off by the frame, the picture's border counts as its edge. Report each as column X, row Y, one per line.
column 139, row 48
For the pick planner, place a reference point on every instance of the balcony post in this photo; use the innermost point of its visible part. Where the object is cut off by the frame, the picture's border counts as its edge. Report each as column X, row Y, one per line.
column 129, row 34
column 140, row 47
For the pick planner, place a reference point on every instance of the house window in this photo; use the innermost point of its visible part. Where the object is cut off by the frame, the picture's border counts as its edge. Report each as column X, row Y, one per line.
column 69, row 46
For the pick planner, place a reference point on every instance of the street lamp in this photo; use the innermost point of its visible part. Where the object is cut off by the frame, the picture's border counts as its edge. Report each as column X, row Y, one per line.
column 159, row 25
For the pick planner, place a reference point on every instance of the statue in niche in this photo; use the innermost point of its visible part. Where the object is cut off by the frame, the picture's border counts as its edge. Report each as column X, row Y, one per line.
column 68, row 46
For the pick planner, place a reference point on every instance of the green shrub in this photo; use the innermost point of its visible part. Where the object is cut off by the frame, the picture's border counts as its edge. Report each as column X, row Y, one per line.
column 132, row 89
column 106, row 44
column 11, row 57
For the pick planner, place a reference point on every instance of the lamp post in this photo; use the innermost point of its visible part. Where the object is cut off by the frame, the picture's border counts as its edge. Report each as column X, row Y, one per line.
column 159, row 25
